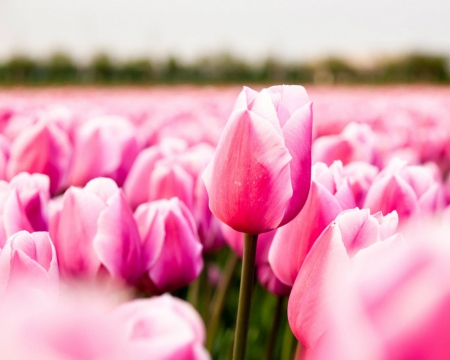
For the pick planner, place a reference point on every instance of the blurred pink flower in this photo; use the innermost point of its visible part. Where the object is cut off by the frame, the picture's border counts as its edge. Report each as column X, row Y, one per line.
column 329, row 258
column 171, row 249
column 259, row 177
column 42, row 148
column 94, row 230
column 410, row 190
column 104, row 146
column 393, row 303
column 23, row 204
column 330, row 194
column 355, row 143
column 27, row 263
column 165, row 327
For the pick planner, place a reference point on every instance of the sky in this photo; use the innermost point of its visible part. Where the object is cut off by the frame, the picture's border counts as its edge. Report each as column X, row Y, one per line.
column 251, row 29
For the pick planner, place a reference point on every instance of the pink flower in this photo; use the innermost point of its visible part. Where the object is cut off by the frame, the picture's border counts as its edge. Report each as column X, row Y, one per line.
column 23, row 204
column 104, row 146
column 137, row 184
column 355, row 143
column 171, row 249
column 329, row 195
column 393, row 303
column 28, row 262
column 259, row 177
column 410, row 190
column 93, row 229
column 165, row 327
column 326, row 263
column 42, row 148
column 360, row 176
column 270, row 282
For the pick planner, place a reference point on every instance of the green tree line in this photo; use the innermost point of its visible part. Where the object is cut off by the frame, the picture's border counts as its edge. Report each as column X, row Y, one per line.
column 60, row 69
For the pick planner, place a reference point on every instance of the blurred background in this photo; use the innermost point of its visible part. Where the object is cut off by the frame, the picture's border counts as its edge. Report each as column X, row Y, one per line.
column 209, row 41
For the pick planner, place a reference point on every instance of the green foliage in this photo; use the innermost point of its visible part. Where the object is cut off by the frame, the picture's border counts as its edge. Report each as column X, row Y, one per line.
column 221, row 69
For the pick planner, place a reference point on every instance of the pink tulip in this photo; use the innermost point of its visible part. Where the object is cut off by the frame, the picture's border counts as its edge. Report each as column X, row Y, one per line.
column 329, row 195
column 172, row 252
column 165, row 327
column 28, row 262
column 355, row 143
column 410, row 190
column 352, row 231
column 94, row 230
column 259, row 177
column 360, row 175
column 137, row 184
column 104, row 146
column 394, row 303
column 23, row 205
column 42, row 148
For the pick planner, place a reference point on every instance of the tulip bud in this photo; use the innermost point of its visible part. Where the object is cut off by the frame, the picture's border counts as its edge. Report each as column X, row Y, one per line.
column 330, row 194
column 172, row 252
column 259, row 177
column 93, row 229
column 42, row 148
column 28, row 261
column 104, row 146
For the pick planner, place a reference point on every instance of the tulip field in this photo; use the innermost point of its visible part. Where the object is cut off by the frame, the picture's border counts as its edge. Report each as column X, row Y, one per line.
column 197, row 223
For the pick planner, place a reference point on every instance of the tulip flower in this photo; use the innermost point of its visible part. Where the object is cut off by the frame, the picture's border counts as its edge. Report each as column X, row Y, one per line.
column 94, row 230
column 360, row 176
column 355, row 143
column 28, row 262
column 410, row 190
column 352, row 231
column 23, row 204
column 171, row 249
column 104, row 146
column 259, row 177
column 137, row 184
column 165, row 327
column 393, row 302
column 329, row 195
column 42, row 148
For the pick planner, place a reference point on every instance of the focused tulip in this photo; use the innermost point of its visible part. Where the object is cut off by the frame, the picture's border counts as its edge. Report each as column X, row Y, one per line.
column 171, row 249
column 165, row 327
column 42, row 148
column 104, row 146
column 330, row 255
column 329, row 195
column 28, row 262
column 410, row 190
column 259, row 177
column 94, row 230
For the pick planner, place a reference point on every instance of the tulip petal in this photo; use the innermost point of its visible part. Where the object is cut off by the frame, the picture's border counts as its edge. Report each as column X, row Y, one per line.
column 117, row 243
column 299, row 126
column 248, row 179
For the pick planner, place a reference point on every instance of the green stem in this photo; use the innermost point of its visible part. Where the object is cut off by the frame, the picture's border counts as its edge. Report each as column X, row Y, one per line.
column 219, row 298
column 193, row 292
column 288, row 340
column 275, row 328
column 245, row 296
